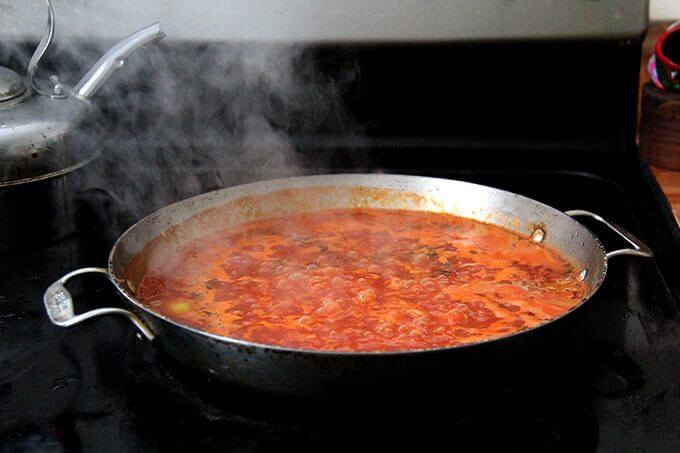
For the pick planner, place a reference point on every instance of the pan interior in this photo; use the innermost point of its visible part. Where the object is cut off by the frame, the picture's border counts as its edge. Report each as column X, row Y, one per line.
column 154, row 239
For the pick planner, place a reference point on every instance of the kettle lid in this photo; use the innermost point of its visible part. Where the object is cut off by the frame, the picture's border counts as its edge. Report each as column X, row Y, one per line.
column 11, row 85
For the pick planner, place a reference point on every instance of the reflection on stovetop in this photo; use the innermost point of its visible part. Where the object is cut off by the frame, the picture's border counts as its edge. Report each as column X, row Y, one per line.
column 98, row 386
column 540, row 411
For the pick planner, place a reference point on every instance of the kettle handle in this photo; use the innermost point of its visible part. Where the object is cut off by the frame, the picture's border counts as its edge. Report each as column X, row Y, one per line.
column 103, row 68
column 56, row 89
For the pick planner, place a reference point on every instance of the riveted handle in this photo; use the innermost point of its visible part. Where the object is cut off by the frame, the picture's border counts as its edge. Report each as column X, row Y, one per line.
column 639, row 247
column 59, row 304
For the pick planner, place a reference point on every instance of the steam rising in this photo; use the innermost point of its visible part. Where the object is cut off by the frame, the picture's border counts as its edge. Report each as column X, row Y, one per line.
column 180, row 119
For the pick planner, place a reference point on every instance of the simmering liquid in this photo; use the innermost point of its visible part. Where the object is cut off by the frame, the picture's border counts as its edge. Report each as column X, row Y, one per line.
column 363, row 280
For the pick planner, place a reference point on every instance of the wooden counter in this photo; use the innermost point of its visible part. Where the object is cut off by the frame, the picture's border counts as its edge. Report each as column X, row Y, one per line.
column 668, row 179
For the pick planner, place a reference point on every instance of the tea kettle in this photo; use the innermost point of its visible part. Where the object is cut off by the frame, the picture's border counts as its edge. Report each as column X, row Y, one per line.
column 37, row 123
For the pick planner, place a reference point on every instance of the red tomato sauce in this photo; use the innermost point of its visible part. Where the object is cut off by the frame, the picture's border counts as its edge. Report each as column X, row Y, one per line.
column 363, row 280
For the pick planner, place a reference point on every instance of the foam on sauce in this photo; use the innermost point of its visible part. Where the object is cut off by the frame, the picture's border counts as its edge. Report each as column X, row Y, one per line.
column 363, row 280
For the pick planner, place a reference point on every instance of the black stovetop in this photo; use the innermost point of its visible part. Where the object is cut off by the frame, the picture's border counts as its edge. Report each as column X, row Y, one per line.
column 99, row 387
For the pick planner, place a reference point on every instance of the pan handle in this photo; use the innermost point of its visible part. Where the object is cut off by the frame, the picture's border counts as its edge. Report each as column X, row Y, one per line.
column 59, row 304
column 639, row 247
